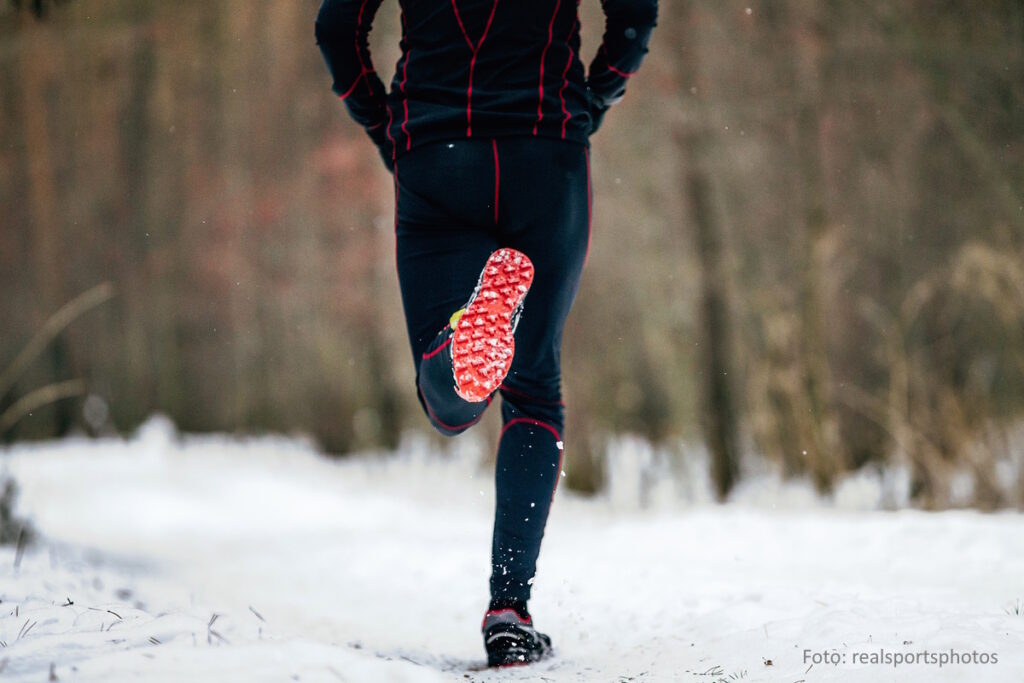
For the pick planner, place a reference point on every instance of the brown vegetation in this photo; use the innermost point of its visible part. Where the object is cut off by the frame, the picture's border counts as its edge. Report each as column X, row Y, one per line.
column 808, row 238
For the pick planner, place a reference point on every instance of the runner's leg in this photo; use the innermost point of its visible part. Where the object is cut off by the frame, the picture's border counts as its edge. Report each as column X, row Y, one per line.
column 544, row 202
column 444, row 233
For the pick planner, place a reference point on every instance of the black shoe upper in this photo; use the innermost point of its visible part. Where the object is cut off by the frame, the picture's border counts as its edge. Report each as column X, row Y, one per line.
column 511, row 639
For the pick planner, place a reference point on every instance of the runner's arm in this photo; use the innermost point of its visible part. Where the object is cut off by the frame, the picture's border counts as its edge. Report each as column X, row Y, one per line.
column 342, row 30
column 628, row 27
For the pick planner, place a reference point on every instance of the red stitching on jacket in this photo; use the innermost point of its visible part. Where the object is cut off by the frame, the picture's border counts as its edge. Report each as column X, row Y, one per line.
column 405, row 97
column 565, row 72
column 472, row 62
column 543, row 56
column 359, row 51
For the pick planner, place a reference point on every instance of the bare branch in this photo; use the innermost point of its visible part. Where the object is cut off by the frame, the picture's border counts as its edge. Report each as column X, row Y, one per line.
column 39, row 398
column 56, row 323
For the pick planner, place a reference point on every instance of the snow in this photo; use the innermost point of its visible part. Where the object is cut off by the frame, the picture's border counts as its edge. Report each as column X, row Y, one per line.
column 171, row 558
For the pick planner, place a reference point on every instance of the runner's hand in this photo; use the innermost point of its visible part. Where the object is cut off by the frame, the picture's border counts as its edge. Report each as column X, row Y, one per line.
column 379, row 135
column 597, row 108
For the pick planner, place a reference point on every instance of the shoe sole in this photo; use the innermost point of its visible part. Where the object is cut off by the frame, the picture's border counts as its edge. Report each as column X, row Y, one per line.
column 519, row 656
column 509, row 659
column 483, row 345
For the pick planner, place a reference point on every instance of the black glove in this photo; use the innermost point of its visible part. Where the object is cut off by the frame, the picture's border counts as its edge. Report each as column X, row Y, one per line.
column 597, row 107
column 379, row 135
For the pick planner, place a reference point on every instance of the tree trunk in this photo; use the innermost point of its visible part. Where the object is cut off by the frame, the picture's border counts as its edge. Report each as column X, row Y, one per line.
column 718, row 416
column 43, row 202
column 717, row 399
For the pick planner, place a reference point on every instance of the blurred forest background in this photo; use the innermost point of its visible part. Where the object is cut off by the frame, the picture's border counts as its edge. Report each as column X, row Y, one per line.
column 808, row 240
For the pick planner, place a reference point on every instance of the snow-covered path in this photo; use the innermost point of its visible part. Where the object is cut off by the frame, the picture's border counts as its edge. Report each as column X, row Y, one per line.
column 376, row 570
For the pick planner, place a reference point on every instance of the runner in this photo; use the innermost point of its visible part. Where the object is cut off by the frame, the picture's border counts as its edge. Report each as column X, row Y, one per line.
column 486, row 131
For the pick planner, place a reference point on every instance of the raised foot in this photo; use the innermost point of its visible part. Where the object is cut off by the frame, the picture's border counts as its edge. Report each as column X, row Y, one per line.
column 483, row 345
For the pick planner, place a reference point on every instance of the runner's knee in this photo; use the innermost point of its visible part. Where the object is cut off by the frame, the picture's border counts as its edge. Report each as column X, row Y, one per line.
column 543, row 404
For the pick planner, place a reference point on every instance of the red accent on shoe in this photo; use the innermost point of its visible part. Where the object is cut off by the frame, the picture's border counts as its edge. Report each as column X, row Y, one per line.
column 496, row 612
column 483, row 345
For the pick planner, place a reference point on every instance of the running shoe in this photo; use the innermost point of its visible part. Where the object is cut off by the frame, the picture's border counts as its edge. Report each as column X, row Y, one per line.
column 511, row 640
column 483, row 344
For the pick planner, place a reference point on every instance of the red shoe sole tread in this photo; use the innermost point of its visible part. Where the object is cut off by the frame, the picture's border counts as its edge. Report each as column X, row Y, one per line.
column 483, row 345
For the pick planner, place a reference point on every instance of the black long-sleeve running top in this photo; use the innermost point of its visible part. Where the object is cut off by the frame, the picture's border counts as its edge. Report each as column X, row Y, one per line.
column 482, row 68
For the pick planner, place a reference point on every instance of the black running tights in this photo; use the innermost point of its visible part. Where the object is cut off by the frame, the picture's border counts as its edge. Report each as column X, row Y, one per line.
column 457, row 202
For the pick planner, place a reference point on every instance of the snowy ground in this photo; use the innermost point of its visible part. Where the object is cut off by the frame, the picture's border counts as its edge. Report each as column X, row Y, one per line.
column 207, row 559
